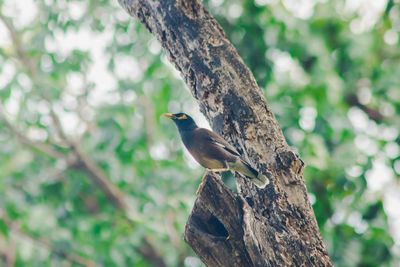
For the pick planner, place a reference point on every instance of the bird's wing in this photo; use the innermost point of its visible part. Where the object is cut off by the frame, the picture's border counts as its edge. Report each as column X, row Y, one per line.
column 219, row 141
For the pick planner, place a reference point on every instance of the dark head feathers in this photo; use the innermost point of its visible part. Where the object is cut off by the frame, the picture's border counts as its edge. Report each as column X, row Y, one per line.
column 183, row 121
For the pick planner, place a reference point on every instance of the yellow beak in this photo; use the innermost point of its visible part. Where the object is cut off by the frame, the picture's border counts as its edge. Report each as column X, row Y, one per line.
column 169, row 115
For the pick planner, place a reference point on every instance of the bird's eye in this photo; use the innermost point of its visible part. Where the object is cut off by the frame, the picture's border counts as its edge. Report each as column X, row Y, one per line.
column 183, row 117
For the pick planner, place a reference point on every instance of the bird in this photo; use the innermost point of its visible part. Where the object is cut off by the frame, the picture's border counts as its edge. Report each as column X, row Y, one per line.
column 212, row 152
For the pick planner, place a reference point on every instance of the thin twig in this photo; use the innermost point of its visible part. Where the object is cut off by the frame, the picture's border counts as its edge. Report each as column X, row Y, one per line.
column 58, row 125
column 17, row 42
column 60, row 253
column 47, row 149
column 8, row 250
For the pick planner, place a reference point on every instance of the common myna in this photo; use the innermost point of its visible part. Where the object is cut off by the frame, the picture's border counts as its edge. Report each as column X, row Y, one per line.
column 213, row 152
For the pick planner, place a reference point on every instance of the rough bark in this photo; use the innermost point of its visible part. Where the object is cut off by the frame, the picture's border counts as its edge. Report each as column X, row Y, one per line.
column 271, row 227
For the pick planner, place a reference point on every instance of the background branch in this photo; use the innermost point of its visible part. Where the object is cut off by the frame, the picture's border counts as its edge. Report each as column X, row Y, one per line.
column 14, row 228
column 47, row 149
column 26, row 60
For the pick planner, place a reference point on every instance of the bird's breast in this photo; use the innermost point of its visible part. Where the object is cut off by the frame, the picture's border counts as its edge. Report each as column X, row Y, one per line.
column 202, row 151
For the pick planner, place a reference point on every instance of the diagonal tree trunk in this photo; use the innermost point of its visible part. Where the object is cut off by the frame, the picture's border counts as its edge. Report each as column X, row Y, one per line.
column 275, row 226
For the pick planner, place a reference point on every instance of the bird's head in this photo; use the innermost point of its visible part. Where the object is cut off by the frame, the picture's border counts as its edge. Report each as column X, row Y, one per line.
column 182, row 121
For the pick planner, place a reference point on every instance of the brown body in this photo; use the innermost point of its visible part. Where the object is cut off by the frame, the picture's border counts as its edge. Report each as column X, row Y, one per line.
column 209, row 148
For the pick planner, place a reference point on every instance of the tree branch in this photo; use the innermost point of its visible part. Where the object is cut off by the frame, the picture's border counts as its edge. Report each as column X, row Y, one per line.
column 78, row 160
column 278, row 224
column 373, row 113
column 149, row 252
column 67, row 255
column 99, row 178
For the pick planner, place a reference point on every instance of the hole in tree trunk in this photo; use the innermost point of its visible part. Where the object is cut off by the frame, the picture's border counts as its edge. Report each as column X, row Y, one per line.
column 216, row 227
column 211, row 225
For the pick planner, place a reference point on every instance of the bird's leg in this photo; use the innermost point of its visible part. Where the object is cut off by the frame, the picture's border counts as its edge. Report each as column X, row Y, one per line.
column 220, row 170
column 226, row 168
column 202, row 182
column 208, row 170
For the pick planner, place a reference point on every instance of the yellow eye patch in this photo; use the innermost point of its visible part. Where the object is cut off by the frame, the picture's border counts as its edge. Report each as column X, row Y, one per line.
column 183, row 117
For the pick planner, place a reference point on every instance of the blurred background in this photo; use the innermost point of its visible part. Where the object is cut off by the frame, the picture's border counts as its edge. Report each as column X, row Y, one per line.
column 91, row 174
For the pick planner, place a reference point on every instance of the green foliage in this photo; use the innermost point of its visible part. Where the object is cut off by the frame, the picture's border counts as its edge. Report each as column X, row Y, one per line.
column 329, row 70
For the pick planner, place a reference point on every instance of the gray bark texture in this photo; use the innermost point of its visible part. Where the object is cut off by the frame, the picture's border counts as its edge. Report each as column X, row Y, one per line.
column 274, row 226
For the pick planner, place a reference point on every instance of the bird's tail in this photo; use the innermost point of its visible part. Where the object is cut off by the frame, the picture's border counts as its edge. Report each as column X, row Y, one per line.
column 244, row 168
